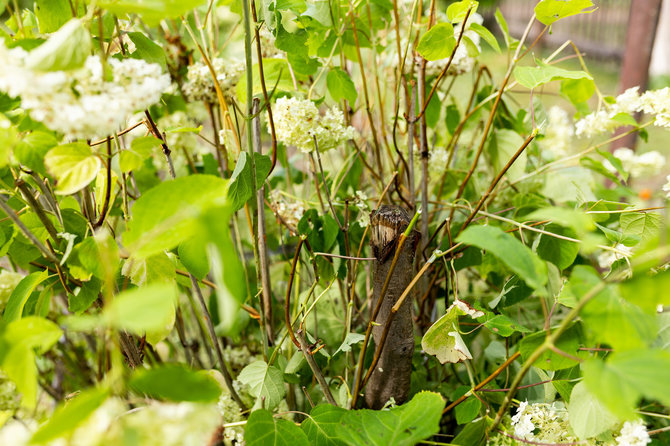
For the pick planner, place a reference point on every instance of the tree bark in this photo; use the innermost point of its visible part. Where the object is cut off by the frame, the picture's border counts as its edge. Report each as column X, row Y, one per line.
column 391, row 377
column 642, row 25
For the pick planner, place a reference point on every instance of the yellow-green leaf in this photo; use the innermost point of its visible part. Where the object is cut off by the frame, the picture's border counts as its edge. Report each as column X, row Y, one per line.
column 74, row 165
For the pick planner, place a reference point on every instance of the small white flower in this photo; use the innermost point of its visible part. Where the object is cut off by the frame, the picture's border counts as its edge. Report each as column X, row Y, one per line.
column 607, row 258
column 298, row 121
column 645, row 165
column 83, row 103
column 666, row 187
column 200, row 85
column 462, row 62
column 633, row 434
column 559, row 132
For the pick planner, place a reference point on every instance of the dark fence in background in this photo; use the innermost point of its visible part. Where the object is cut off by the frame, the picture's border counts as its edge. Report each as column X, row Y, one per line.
column 601, row 35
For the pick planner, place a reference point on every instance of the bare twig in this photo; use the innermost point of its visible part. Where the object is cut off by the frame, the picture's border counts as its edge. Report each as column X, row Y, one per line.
column 315, row 367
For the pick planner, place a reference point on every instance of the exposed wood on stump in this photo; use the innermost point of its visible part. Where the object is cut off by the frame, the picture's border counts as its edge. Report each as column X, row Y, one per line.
column 391, row 377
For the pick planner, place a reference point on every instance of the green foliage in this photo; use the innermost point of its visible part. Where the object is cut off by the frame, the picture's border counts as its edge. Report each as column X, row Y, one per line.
column 73, row 165
column 533, row 77
column 404, row 425
column 151, row 11
column 158, row 243
column 438, row 42
column 550, row 11
column 265, row 384
column 263, row 428
column 66, row 49
column 509, row 250
column 160, row 382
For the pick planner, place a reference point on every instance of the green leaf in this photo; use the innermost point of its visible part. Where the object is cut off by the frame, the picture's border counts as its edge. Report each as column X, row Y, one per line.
column 588, row 417
column 533, row 77
column 625, row 377
column 193, row 255
column 406, row 425
column 263, row 429
column 486, row 35
column 349, row 341
column 276, row 73
column 549, row 11
column 321, row 231
column 71, row 414
column 503, row 144
column 457, row 10
column 503, row 27
column 266, row 384
column 468, row 410
column 319, row 10
column 561, row 253
column 156, row 268
column 52, row 14
column 518, row 257
column 167, row 215
column 503, row 325
column 240, row 181
column 17, row 357
column 340, row 86
column 578, row 91
column 19, row 297
column 151, row 11
column 647, row 290
column 568, row 342
column 74, row 165
column 574, row 219
column 140, row 149
column 227, row 271
column 66, row 49
column 84, row 296
column 147, row 50
column 615, row 321
column 31, row 150
column 323, row 425
column 175, row 382
column 443, row 339
column 146, row 309
column 645, row 225
column 438, row 42
column 473, row 434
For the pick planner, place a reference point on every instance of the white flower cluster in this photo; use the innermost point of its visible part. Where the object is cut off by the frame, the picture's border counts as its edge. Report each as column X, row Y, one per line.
column 462, row 61
column 230, row 413
column 87, row 102
column 361, row 202
column 653, row 102
column 645, row 165
column 297, row 122
column 558, row 133
column 289, row 213
column 545, row 423
column 666, row 187
column 437, row 163
column 268, row 48
column 200, row 85
column 607, row 258
column 165, row 424
column 633, row 433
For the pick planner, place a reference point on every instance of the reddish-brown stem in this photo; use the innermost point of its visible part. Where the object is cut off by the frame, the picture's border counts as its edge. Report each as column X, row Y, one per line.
column 496, row 180
column 488, row 379
column 287, row 300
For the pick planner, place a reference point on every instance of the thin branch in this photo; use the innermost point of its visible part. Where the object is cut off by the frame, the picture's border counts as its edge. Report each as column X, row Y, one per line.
column 29, row 235
column 315, row 367
column 217, row 347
